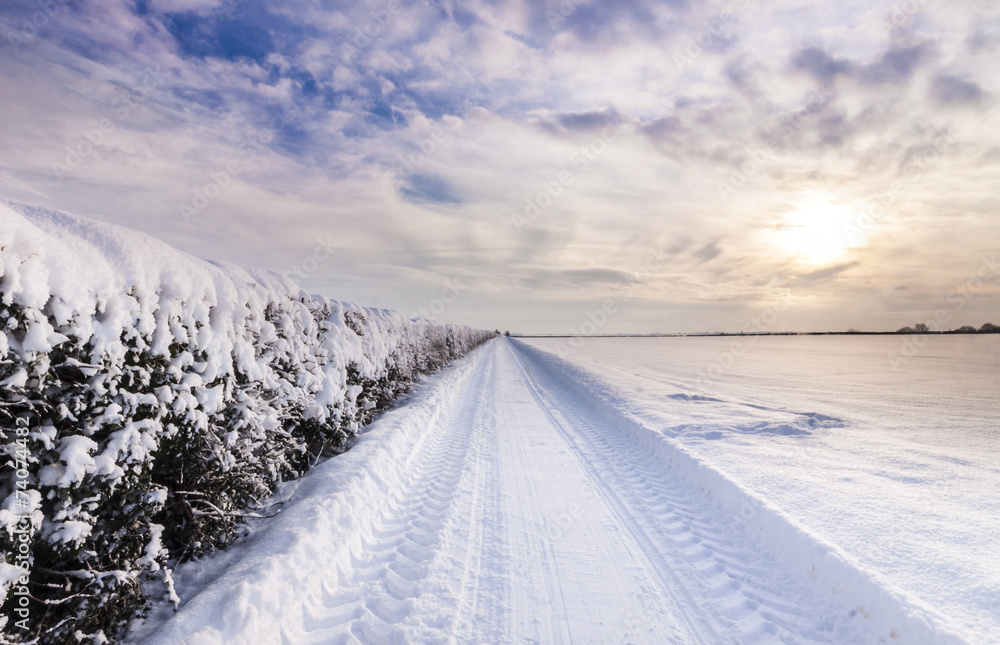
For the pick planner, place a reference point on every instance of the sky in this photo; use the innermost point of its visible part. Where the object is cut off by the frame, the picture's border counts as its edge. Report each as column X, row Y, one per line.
column 573, row 166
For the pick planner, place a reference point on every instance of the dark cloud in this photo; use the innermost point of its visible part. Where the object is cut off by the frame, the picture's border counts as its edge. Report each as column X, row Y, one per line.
column 243, row 34
column 463, row 18
column 819, row 64
column 587, row 121
column 822, row 275
column 524, row 40
column 817, row 122
column 660, row 128
column 898, row 63
column 427, row 188
column 708, row 252
column 600, row 21
column 702, row 130
column 563, row 124
column 953, row 90
column 982, row 42
column 813, row 278
column 548, row 278
column 740, row 71
column 594, row 276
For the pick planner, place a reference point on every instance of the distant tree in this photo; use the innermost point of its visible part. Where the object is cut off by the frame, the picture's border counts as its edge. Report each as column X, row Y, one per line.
column 852, row 330
column 921, row 328
column 989, row 328
column 905, row 330
column 498, row 332
column 967, row 329
column 507, row 333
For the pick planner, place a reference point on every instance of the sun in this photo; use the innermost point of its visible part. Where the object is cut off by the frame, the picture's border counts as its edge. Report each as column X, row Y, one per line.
column 817, row 232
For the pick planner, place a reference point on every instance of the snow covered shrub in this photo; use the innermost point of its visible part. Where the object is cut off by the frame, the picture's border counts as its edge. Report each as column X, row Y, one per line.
column 149, row 402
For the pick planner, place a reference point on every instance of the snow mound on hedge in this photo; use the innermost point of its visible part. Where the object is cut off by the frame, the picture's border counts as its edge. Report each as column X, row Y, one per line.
column 153, row 398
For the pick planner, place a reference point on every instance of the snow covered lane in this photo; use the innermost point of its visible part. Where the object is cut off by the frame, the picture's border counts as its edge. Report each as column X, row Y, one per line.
column 515, row 514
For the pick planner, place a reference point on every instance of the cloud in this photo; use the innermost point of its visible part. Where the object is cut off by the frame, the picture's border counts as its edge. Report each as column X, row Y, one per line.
column 819, row 64
column 953, row 90
column 598, row 21
column 242, row 35
column 423, row 188
column 708, row 252
column 184, row 6
column 897, row 64
column 557, row 281
column 413, row 134
column 822, row 275
column 981, row 41
column 587, row 121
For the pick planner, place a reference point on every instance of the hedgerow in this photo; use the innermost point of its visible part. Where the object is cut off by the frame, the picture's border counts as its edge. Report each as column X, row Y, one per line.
column 150, row 403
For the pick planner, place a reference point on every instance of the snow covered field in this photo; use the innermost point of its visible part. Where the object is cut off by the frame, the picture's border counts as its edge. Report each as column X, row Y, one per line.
column 898, row 469
column 517, row 497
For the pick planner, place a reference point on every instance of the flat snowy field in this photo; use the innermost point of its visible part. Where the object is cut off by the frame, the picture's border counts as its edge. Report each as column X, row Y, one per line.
column 895, row 463
column 809, row 494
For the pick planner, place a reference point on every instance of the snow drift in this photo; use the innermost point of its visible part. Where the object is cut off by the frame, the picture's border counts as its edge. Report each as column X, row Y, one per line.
column 150, row 401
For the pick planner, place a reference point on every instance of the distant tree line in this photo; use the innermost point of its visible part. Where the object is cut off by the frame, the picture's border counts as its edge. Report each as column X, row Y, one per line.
column 922, row 328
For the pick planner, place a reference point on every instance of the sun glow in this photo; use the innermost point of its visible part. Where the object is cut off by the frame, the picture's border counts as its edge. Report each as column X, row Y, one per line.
column 818, row 233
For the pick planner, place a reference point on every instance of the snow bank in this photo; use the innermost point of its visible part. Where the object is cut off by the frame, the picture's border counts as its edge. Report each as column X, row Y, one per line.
column 329, row 524
column 894, row 617
column 149, row 399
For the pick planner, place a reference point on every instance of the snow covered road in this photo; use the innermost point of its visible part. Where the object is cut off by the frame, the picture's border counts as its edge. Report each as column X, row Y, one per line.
column 498, row 505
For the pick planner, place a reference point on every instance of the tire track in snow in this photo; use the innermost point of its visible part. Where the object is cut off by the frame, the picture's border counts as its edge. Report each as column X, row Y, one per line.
column 697, row 553
column 457, row 534
column 537, row 554
column 700, row 630
column 383, row 599
column 583, row 584
column 482, row 595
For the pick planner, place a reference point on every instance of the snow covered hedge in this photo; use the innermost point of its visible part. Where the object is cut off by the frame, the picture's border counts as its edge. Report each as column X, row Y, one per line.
column 149, row 401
